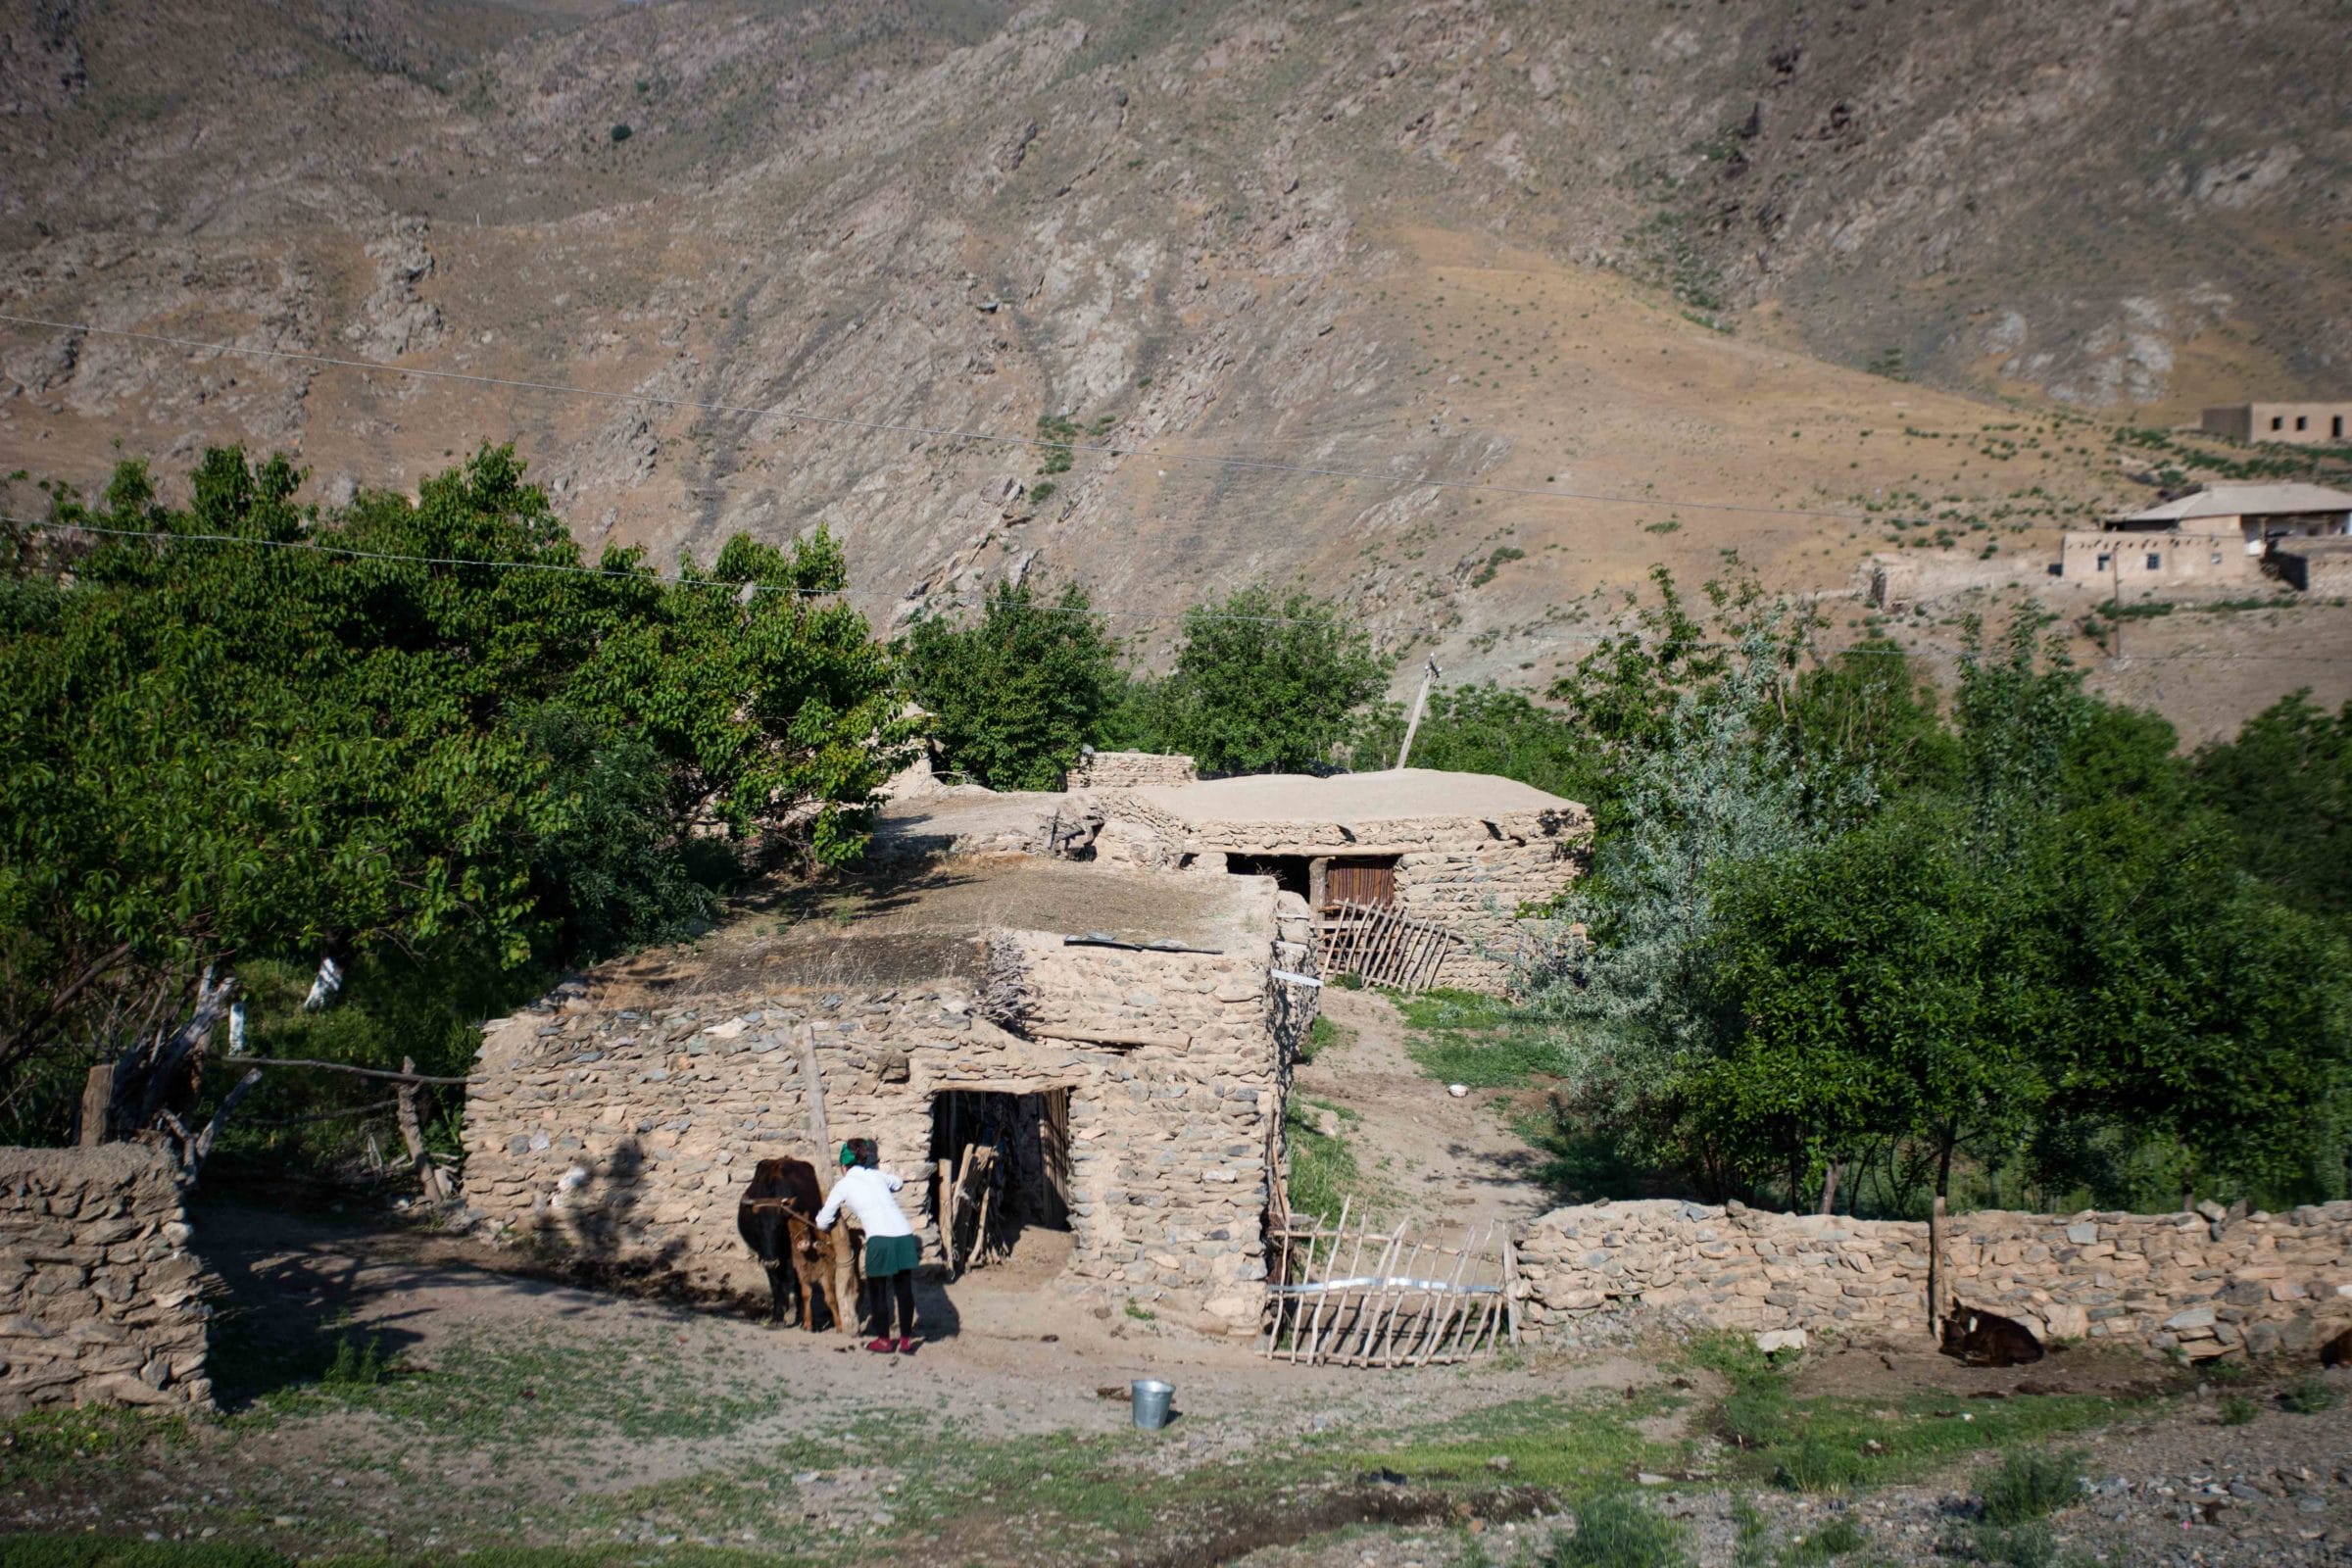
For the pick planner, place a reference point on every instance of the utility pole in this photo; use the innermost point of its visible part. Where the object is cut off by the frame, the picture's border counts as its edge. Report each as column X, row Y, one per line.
column 2114, row 602
column 1429, row 674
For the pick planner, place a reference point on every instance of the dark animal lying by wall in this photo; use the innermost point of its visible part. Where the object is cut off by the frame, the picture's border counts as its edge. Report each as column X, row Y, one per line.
column 1987, row 1339
column 777, row 1220
column 2337, row 1352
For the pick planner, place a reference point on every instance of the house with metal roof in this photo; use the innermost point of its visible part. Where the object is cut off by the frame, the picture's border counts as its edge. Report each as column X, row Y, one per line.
column 2220, row 534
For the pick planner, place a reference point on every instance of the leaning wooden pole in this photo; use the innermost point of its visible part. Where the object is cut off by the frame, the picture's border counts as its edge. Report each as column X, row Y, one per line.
column 1936, row 1268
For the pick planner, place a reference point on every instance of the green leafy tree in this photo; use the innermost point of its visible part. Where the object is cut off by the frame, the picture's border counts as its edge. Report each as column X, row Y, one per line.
column 252, row 739
column 1485, row 729
column 1266, row 682
column 1887, row 988
column 1866, row 713
column 2284, row 785
column 1014, row 694
column 1629, row 963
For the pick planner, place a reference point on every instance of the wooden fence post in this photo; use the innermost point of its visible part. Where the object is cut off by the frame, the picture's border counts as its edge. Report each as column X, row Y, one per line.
column 97, row 1098
column 411, row 1133
column 1935, row 1269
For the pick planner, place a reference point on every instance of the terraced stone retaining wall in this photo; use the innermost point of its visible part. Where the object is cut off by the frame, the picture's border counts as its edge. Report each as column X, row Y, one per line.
column 629, row 1133
column 2207, row 1284
column 100, row 1301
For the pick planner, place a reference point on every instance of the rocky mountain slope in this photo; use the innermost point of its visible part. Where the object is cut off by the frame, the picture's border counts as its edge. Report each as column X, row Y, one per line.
column 1262, row 263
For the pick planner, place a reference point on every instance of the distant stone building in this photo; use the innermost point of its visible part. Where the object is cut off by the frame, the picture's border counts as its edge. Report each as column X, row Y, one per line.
column 2293, row 423
column 1459, row 852
column 2220, row 534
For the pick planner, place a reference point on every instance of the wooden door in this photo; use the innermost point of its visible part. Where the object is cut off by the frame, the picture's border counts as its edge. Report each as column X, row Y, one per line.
column 1053, row 1141
column 1361, row 881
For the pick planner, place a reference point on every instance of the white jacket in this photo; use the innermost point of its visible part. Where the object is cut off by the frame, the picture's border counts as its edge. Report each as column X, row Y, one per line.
column 867, row 1193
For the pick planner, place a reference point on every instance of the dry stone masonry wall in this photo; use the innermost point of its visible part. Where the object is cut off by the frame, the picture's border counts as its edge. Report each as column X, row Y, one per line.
column 100, row 1301
column 1126, row 770
column 1468, row 875
column 627, row 1133
column 2205, row 1285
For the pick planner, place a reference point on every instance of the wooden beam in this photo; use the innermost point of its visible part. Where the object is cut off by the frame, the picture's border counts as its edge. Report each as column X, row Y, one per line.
column 97, row 1097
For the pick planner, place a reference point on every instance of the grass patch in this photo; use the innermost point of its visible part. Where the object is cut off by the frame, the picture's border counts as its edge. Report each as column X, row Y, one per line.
column 1458, row 1037
column 115, row 1552
column 2308, row 1397
column 1618, row 1531
column 469, row 1399
column 1830, row 1443
column 2235, row 1410
column 2029, row 1486
column 1575, row 1446
column 1323, row 1035
column 1323, row 1168
column 46, row 1446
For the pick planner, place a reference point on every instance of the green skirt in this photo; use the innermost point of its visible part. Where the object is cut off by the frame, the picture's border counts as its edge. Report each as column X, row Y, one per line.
column 886, row 1256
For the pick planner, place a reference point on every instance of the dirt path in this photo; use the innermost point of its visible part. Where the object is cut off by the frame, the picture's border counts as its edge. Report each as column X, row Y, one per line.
column 1445, row 1159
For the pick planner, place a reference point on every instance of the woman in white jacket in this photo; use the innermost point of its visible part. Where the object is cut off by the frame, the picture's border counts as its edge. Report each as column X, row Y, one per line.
column 892, row 1251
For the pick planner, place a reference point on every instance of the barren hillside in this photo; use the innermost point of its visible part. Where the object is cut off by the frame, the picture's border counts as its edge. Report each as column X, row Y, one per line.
column 771, row 265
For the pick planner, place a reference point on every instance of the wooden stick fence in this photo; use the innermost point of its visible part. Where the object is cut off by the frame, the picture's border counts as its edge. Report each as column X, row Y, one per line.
column 1418, row 1303
column 1376, row 942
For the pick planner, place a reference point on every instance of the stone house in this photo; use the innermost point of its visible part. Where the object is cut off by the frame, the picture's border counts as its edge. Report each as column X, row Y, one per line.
column 1459, row 852
column 2292, row 423
column 1132, row 1075
column 2222, row 535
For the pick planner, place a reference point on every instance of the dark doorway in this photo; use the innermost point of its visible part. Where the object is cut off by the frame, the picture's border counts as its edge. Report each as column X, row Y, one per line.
column 1288, row 871
column 1004, row 1160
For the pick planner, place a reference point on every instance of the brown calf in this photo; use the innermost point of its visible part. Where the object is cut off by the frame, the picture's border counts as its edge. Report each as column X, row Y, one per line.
column 777, row 1219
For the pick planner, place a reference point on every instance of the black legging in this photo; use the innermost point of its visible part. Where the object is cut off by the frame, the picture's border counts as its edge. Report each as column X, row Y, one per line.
column 879, row 1294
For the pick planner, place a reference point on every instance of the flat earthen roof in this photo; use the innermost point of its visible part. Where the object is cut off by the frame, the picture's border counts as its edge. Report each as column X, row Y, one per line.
column 1390, row 796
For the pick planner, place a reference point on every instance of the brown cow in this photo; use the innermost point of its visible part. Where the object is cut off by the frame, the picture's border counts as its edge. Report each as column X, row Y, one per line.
column 776, row 1219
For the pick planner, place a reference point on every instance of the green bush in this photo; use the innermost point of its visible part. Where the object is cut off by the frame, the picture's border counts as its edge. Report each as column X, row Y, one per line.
column 2235, row 1410
column 1617, row 1531
column 1819, row 1464
column 355, row 1366
column 2308, row 1397
column 1833, row 1539
column 2026, row 1487
column 2027, row 1546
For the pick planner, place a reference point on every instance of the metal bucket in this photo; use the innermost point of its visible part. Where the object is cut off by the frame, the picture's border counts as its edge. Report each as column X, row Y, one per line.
column 1151, row 1400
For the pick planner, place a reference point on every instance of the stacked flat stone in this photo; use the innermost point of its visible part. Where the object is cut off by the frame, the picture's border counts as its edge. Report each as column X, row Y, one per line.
column 629, row 1133
column 1729, row 1267
column 2204, row 1285
column 1126, row 770
column 1469, row 875
column 100, row 1301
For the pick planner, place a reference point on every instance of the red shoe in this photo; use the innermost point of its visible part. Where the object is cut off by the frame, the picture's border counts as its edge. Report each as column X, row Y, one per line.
column 878, row 1346
column 907, row 1345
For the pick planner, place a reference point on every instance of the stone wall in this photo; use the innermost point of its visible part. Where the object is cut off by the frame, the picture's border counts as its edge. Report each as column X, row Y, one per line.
column 1469, row 875
column 627, row 1133
column 1126, row 770
column 100, row 1300
column 2207, row 1284
column 2316, row 566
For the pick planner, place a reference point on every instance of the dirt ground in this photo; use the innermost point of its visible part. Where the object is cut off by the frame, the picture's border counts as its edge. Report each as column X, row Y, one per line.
column 1445, row 1159
column 395, row 1395
column 525, row 1411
